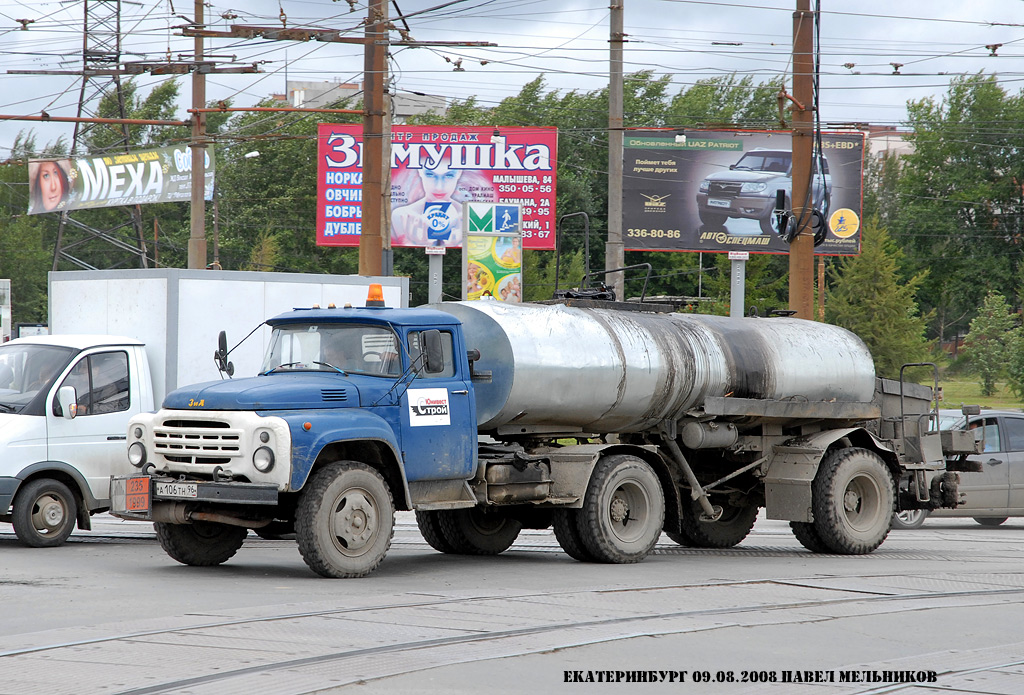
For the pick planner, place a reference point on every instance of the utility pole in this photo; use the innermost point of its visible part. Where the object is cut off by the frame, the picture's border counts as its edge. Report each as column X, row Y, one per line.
column 614, row 255
column 801, row 250
column 375, row 57
column 197, row 228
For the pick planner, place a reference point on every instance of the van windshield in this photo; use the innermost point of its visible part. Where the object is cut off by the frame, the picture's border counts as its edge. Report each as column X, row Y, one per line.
column 25, row 370
column 349, row 348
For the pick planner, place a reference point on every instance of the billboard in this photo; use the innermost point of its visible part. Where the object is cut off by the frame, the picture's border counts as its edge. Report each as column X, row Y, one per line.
column 157, row 175
column 716, row 190
column 492, row 259
column 435, row 172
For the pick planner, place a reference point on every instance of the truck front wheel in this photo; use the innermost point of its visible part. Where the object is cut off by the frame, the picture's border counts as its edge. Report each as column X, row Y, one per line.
column 623, row 510
column 476, row 532
column 345, row 520
column 44, row 513
column 201, row 544
column 852, row 499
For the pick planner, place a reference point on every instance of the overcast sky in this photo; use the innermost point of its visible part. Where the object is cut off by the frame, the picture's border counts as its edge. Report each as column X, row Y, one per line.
column 566, row 41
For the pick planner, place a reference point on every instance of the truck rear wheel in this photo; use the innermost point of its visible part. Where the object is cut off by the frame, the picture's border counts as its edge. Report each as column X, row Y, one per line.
column 345, row 520
column 623, row 510
column 852, row 498
column 429, row 523
column 733, row 526
column 808, row 536
column 476, row 532
column 567, row 532
column 201, row 544
column 44, row 513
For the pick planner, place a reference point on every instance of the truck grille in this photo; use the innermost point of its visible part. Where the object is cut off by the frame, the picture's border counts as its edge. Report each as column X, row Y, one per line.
column 197, row 441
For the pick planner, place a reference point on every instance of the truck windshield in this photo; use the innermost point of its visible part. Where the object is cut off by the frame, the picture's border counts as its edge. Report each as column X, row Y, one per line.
column 25, row 370
column 348, row 348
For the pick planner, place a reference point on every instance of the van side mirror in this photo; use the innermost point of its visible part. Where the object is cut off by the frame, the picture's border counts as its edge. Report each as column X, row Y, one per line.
column 67, row 398
column 433, row 352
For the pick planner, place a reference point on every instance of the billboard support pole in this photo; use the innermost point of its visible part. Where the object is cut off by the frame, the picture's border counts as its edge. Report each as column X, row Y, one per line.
column 737, row 283
column 614, row 255
column 374, row 65
column 801, row 250
column 197, row 224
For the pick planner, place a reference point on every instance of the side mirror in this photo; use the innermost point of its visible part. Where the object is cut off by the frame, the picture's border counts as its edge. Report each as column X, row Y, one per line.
column 433, row 353
column 220, row 356
column 67, row 398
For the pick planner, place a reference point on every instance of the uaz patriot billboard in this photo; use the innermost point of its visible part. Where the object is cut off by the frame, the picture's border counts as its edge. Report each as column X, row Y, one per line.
column 435, row 171
column 716, row 190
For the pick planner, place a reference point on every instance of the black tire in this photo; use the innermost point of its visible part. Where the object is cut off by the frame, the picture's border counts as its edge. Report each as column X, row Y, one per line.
column 733, row 526
column 768, row 224
column 477, row 532
column 853, row 497
column 808, row 537
column 45, row 512
column 623, row 510
column 200, row 544
column 681, row 538
column 276, row 531
column 712, row 219
column 345, row 520
column 429, row 523
column 909, row 518
column 566, row 524
column 990, row 521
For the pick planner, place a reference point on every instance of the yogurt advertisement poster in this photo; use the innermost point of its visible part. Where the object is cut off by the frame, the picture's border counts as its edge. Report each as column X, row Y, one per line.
column 493, row 257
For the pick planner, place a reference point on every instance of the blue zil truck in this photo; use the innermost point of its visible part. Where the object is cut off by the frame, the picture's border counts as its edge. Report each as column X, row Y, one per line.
column 610, row 425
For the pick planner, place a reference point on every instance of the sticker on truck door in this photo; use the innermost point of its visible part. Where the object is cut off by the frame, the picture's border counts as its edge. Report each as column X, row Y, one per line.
column 428, row 407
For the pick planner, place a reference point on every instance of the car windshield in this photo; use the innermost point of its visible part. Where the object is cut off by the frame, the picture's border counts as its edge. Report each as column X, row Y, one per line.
column 25, row 370
column 766, row 161
column 348, row 348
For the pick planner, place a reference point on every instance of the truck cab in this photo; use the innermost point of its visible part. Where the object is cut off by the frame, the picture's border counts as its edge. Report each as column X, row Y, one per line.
column 65, row 402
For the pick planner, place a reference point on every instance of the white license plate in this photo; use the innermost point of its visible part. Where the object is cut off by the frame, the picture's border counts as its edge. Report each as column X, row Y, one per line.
column 177, row 490
column 717, row 203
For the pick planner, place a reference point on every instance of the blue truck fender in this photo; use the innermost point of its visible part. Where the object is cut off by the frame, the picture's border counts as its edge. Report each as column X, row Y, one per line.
column 343, row 426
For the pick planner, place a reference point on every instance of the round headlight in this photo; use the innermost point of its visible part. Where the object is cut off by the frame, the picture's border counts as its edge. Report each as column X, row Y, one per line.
column 263, row 459
column 137, row 454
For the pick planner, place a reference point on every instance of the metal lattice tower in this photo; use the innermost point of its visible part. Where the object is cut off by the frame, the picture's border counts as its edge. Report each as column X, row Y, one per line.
column 101, row 57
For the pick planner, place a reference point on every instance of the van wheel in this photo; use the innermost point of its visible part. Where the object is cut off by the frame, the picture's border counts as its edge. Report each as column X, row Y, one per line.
column 623, row 510
column 733, row 526
column 429, row 523
column 44, row 513
column 345, row 520
column 200, row 544
column 852, row 498
column 476, row 532
column 909, row 518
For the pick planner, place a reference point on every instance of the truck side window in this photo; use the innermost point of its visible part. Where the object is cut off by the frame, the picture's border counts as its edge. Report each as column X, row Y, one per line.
column 101, row 383
column 415, row 349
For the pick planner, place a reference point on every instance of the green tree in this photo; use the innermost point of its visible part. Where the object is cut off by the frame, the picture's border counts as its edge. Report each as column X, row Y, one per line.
column 868, row 297
column 994, row 333
column 960, row 206
column 727, row 100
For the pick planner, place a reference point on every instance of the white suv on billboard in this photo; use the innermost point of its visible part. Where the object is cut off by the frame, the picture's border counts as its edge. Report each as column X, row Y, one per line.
column 748, row 189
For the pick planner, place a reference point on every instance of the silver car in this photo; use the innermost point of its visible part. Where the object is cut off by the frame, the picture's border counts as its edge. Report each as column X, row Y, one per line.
column 996, row 493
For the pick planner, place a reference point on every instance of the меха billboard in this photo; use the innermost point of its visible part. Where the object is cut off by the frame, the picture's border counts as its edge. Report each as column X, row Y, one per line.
column 435, row 170
column 716, row 190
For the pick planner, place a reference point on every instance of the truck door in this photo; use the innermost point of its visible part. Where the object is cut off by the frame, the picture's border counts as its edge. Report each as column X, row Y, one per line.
column 94, row 441
column 989, row 489
column 438, row 419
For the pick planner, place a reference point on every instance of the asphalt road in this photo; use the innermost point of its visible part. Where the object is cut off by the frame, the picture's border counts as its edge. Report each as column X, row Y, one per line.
column 941, row 606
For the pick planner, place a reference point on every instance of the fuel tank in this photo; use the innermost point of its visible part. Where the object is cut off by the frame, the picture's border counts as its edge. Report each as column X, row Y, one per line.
column 606, row 370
